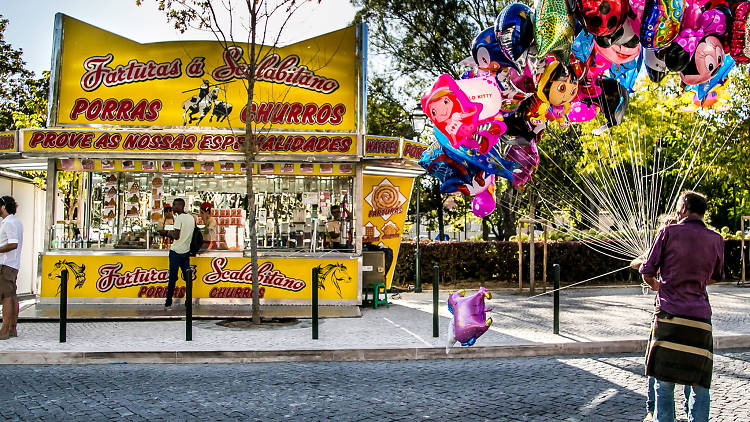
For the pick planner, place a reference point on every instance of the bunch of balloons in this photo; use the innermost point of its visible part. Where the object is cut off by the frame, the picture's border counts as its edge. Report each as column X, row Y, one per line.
column 563, row 62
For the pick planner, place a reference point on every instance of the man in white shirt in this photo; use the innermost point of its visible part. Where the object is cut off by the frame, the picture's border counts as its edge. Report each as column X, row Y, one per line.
column 179, row 252
column 11, row 240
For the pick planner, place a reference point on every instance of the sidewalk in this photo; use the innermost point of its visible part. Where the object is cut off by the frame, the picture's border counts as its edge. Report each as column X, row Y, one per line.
column 592, row 321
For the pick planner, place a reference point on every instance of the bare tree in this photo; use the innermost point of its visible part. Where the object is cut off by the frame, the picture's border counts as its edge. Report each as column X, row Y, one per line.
column 262, row 23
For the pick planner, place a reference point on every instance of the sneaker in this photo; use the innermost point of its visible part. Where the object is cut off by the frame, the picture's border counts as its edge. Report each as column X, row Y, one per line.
column 649, row 417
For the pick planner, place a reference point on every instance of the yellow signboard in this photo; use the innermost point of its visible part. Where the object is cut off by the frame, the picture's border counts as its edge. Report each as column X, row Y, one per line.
column 221, row 167
column 100, row 78
column 384, row 208
column 412, row 151
column 215, row 277
column 382, row 146
column 166, row 142
column 8, row 142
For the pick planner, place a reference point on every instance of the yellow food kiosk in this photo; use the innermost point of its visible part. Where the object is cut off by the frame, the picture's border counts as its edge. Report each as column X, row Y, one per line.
column 134, row 126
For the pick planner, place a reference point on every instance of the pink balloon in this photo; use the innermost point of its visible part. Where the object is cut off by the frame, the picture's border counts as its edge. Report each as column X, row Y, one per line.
column 469, row 315
column 581, row 112
column 483, row 204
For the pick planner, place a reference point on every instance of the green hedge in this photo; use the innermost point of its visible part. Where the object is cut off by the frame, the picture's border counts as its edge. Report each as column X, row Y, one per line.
column 498, row 261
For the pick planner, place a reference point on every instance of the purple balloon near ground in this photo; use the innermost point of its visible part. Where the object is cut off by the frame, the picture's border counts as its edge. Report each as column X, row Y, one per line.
column 469, row 315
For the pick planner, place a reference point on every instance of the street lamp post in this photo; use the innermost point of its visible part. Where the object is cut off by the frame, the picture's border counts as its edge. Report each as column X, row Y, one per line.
column 418, row 123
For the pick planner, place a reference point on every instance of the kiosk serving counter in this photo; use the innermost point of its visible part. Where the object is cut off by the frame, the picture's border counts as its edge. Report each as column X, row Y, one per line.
column 128, row 141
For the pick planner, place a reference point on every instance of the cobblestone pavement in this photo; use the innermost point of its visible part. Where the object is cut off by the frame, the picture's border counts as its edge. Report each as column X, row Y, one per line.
column 599, row 388
column 586, row 315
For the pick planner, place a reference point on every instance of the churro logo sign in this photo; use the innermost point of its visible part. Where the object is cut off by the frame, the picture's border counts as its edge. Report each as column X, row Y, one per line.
column 385, row 199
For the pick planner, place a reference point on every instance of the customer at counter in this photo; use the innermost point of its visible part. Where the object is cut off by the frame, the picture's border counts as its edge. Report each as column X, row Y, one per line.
column 179, row 252
column 210, row 229
column 334, row 227
column 167, row 220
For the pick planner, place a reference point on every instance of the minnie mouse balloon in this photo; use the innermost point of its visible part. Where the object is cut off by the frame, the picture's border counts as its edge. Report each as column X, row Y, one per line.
column 698, row 53
column 469, row 315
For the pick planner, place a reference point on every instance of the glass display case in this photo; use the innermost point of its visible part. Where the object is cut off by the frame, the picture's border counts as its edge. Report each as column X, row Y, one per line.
column 125, row 209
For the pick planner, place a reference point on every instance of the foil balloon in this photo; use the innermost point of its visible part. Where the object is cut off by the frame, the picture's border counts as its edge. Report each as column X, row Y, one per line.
column 448, row 171
column 527, row 157
column 482, row 189
column 627, row 73
column 602, row 17
column 514, row 29
column 739, row 34
column 553, row 28
column 581, row 112
column 612, row 103
column 583, row 45
column 491, row 163
column 660, row 23
column 620, row 47
column 635, row 17
column 451, row 111
column 557, row 87
column 703, row 90
column 469, row 315
column 487, row 53
column 655, row 66
column 698, row 53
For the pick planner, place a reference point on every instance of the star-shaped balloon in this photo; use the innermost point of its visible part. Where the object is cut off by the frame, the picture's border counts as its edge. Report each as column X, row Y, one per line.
column 554, row 28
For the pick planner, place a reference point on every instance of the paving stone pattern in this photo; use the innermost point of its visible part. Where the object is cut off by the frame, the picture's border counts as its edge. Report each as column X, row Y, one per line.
column 587, row 315
column 593, row 388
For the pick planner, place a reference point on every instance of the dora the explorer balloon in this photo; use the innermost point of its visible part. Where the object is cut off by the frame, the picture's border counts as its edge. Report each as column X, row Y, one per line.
column 557, row 87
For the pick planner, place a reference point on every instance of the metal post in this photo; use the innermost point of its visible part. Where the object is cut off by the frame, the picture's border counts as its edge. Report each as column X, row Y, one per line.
column 556, row 320
column 544, row 260
column 435, row 291
column 315, row 272
column 189, row 307
column 63, row 305
column 520, row 258
column 417, row 253
column 532, row 245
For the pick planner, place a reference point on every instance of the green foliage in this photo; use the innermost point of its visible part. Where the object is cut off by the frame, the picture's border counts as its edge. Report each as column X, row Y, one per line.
column 16, row 82
column 385, row 114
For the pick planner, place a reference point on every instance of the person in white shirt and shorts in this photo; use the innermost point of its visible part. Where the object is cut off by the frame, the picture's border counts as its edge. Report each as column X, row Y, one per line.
column 11, row 241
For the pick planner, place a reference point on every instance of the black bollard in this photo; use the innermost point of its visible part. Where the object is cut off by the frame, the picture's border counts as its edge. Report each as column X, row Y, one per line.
column 63, row 305
column 189, row 307
column 556, row 320
column 315, row 275
column 435, row 291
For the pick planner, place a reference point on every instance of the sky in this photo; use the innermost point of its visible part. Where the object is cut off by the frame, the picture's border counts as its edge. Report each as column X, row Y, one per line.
column 31, row 23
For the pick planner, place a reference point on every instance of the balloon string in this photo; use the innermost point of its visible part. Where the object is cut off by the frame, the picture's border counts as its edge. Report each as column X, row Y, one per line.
column 580, row 282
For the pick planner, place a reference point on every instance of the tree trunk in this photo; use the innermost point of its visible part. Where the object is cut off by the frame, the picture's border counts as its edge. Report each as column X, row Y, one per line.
column 507, row 226
column 249, row 162
column 485, row 229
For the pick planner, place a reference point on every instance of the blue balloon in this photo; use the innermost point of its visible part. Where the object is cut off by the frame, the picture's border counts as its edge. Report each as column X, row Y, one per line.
column 514, row 28
column 627, row 73
column 583, row 45
column 490, row 163
column 703, row 89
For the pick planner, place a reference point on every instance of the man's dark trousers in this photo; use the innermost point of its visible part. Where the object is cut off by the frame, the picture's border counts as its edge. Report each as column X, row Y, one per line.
column 177, row 261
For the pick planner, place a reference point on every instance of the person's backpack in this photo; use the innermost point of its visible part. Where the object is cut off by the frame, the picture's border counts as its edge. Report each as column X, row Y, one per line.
column 196, row 242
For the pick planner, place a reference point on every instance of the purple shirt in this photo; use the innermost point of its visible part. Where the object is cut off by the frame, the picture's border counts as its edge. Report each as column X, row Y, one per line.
column 687, row 255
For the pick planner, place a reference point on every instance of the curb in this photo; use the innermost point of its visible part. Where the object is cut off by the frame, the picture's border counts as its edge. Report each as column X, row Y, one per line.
column 346, row 355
